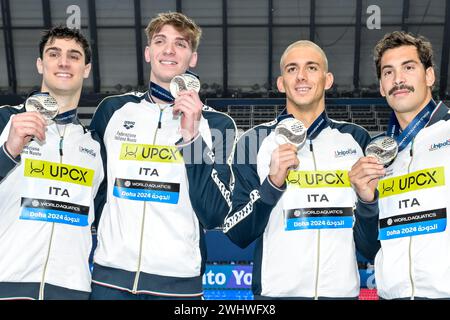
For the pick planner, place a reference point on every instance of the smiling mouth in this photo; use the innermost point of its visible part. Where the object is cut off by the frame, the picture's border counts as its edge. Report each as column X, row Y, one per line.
column 303, row 89
column 168, row 63
column 64, row 75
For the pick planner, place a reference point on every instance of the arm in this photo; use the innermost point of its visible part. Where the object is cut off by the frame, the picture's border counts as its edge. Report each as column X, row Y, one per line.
column 365, row 230
column 208, row 171
column 7, row 162
column 252, row 201
column 23, row 126
column 364, row 177
column 101, row 195
column 98, row 127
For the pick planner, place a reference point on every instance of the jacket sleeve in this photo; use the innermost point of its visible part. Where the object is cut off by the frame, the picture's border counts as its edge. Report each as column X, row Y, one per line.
column 7, row 162
column 208, row 171
column 365, row 230
column 252, row 201
column 100, row 197
column 98, row 127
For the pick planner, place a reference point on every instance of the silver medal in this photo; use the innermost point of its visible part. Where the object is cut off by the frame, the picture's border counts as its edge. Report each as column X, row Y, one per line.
column 291, row 131
column 383, row 148
column 183, row 82
column 43, row 103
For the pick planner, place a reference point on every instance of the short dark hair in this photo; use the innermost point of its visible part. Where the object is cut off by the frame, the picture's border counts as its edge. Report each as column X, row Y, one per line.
column 62, row 32
column 401, row 38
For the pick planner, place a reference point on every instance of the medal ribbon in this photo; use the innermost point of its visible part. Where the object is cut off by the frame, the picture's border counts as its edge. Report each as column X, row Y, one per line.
column 404, row 137
column 317, row 126
column 161, row 93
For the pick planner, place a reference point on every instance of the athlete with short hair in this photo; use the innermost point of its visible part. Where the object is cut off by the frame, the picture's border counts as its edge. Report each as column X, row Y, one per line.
column 50, row 171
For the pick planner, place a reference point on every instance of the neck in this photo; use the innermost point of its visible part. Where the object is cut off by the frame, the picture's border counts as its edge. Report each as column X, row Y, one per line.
column 306, row 115
column 66, row 102
column 160, row 81
column 157, row 100
column 162, row 84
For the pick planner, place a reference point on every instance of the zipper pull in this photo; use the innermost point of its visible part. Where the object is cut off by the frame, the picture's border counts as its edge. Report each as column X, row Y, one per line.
column 61, row 140
column 160, row 116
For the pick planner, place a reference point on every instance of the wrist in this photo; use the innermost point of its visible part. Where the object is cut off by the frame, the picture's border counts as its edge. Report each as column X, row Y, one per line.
column 11, row 153
column 367, row 198
column 188, row 137
column 275, row 182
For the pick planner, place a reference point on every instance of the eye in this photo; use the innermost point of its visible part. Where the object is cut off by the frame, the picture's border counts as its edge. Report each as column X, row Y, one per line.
column 53, row 54
column 181, row 44
column 75, row 57
column 409, row 67
column 387, row 73
column 313, row 68
column 291, row 69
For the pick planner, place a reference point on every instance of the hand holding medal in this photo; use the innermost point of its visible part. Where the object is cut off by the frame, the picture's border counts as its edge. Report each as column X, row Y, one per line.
column 184, row 82
column 367, row 171
column 291, row 131
column 290, row 135
column 384, row 149
column 43, row 103
column 41, row 109
column 184, row 88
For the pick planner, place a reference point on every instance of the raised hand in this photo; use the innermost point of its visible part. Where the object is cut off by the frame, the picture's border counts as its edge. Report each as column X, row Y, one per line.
column 24, row 127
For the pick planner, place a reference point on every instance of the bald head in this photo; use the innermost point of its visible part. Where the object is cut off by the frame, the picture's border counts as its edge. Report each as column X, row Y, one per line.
column 304, row 43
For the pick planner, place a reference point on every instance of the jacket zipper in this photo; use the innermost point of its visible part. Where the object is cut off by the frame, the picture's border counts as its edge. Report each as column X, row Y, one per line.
column 316, row 284
column 141, row 242
column 44, row 272
column 413, row 289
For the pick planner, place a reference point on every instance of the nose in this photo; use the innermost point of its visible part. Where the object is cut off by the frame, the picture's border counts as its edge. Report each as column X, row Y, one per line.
column 169, row 48
column 398, row 78
column 63, row 61
column 301, row 74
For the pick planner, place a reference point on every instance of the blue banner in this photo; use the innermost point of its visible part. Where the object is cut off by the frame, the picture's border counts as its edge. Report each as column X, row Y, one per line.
column 319, row 223
column 56, row 216
column 228, row 277
column 146, row 195
column 413, row 229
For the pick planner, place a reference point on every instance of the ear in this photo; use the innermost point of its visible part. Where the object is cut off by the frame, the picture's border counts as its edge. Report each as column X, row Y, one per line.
column 87, row 70
column 147, row 54
column 430, row 77
column 382, row 92
column 280, row 84
column 39, row 66
column 193, row 61
column 329, row 80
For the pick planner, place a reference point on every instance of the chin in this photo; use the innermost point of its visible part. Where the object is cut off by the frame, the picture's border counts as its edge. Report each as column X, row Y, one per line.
column 64, row 90
column 402, row 107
